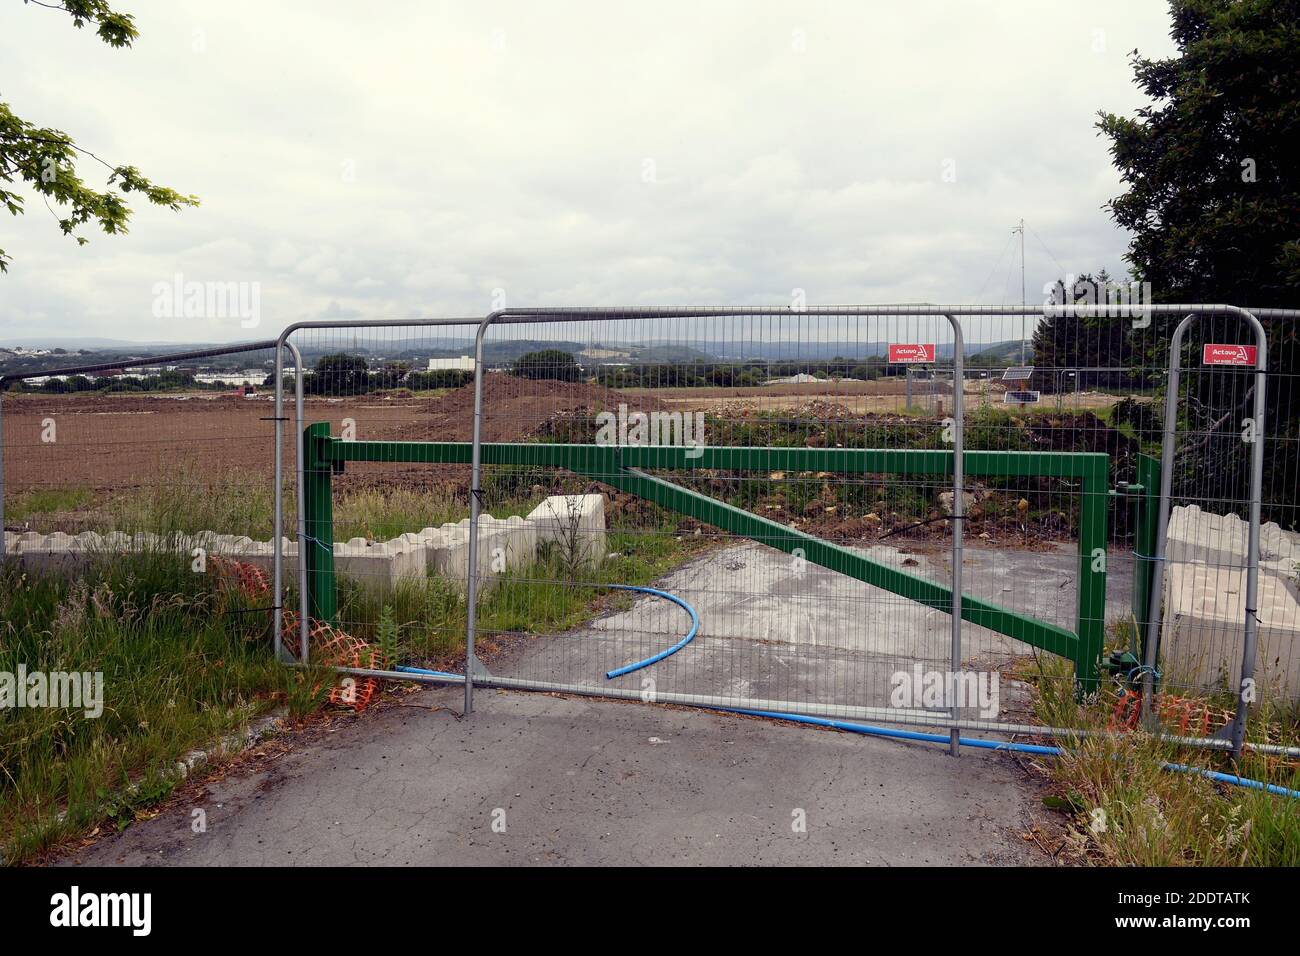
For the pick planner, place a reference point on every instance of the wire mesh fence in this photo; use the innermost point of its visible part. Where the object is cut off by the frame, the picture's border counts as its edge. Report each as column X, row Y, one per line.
column 1205, row 590
column 384, row 534
column 761, row 505
column 739, row 465
column 116, row 457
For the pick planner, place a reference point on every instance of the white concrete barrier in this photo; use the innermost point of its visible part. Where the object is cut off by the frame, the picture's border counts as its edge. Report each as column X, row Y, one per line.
column 1205, row 610
column 572, row 523
column 505, row 544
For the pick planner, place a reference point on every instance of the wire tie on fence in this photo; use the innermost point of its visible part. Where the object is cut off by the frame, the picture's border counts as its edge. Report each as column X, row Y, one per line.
column 1148, row 557
column 920, row 524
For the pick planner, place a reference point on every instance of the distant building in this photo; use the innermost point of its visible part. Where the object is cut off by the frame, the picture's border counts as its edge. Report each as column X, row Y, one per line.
column 801, row 379
column 463, row 363
column 249, row 376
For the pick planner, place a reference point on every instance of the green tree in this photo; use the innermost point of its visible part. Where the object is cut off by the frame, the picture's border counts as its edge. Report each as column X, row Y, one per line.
column 338, row 374
column 1213, row 186
column 1213, row 197
column 1067, row 342
column 45, row 158
column 548, row 363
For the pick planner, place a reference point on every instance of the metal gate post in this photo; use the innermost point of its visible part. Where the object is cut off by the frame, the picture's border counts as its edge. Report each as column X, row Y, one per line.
column 475, row 509
column 318, row 554
column 958, row 512
column 278, row 539
column 1250, row 632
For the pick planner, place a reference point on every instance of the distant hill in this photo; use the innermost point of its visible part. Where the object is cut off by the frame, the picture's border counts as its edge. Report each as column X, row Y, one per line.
column 416, row 350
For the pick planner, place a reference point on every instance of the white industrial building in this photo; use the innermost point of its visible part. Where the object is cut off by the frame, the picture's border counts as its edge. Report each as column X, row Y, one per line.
column 462, row 363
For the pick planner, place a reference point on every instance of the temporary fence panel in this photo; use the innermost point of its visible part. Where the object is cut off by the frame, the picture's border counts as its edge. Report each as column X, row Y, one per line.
column 1224, row 620
column 826, row 505
column 169, row 454
column 389, row 532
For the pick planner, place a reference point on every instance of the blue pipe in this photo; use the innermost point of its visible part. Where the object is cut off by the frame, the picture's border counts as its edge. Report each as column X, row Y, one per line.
column 426, row 672
column 975, row 742
column 690, row 635
column 1011, row 746
column 902, row 734
column 1218, row 777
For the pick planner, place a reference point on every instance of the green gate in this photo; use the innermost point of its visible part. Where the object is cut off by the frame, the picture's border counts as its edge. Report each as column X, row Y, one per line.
column 626, row 469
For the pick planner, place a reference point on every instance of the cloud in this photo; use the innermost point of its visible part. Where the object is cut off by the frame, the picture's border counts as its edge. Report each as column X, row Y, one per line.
column 412, row 159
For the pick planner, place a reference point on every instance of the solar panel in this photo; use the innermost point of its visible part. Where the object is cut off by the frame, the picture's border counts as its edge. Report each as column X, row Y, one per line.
column 1018, row 373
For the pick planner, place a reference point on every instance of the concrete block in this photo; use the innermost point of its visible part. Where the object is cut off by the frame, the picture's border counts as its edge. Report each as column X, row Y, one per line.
column 504, row 544
column 572, row 523
column 1205, row 626
column 382, row 565
column 1198, row 535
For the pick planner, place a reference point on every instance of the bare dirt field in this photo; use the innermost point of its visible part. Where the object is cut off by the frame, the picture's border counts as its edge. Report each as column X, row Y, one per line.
column 106, row 443
column 883, row 396
column 99, row 446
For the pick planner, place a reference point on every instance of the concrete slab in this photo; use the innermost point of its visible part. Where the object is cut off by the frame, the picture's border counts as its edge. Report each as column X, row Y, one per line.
column 588, row 782
column 772, row 629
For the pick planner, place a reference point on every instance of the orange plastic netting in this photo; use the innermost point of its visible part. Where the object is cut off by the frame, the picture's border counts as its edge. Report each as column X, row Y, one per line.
column 329, row 645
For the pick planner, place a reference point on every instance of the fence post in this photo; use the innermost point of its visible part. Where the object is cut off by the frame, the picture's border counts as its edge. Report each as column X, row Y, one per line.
column 319, row 502
column 277, row 539
column 1251, row 633
column 1092, row 580
column 475, row 508
column 958, row 513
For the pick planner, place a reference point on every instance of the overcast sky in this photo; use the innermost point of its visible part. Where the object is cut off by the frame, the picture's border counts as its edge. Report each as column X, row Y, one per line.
column 405, row 159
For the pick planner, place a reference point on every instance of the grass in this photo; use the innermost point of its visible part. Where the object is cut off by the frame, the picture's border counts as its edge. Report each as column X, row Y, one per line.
column 1124, row 809
column 430, row 615
column 45, row 504
column 383, row 515
column 181, row 665
column 188, row 501
column 186, row 662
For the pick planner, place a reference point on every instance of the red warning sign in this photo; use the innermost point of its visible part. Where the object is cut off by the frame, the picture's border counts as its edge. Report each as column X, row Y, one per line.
column 1228, row 355
column 911, row 353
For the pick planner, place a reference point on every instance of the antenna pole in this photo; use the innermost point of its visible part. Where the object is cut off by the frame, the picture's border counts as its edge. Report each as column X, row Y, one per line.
column 1024, row 319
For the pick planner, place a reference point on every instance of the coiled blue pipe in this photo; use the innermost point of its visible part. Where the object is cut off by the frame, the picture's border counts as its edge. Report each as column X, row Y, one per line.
column 690, row 635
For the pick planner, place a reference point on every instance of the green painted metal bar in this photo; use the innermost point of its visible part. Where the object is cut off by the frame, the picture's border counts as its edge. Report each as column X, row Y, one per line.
column 619, row 467
column 1091, row 618
column 318, row 502
column 984, row 464
column 1049, row 637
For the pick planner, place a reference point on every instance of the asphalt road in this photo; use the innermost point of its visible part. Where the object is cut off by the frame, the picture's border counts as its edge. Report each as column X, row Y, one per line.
column 533, row 779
